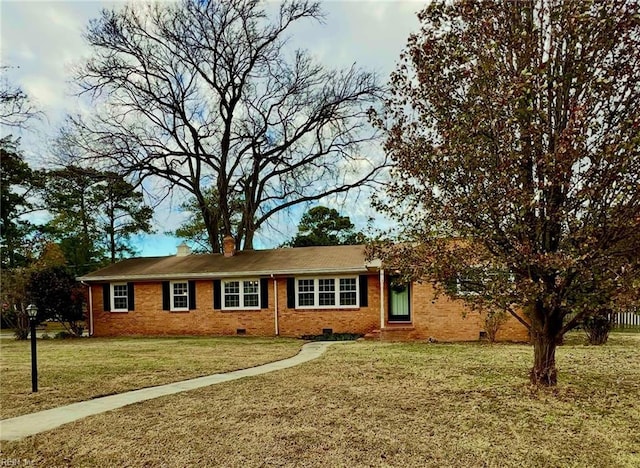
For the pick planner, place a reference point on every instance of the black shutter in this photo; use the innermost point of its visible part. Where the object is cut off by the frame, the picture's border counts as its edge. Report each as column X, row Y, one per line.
column 364, row 291
column 264, row 293
column 106, row 299
column 166, row 296
column 217, row 294
column 192, row 295
column 131, row 297
column 291, row 293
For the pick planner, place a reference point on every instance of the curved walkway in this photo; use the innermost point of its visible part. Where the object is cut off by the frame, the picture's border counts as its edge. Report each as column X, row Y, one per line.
column 34, row 423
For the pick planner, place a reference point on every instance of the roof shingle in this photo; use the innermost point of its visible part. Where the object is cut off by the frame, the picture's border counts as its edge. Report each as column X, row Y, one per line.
column 300, row 260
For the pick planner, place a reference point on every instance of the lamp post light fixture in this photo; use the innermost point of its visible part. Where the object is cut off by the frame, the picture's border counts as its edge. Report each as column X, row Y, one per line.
column 32, row 312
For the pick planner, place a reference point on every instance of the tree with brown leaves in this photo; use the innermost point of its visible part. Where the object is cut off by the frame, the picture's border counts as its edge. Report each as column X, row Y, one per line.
column 514, row 127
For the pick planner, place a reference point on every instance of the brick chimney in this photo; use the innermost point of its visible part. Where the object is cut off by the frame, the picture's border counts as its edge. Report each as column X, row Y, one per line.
column 183, row 250
column 229, row 246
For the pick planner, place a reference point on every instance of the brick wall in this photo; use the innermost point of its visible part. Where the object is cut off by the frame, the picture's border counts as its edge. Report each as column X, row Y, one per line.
column 441, row 319
column 148, row 318
column 297, row 322
column 444, row 319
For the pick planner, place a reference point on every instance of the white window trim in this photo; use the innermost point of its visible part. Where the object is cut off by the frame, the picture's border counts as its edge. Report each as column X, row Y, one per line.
column 462, row 292
column 242, row 306
column 485, row 279
column 113, row 299
column 178, row 309
column 316, row 292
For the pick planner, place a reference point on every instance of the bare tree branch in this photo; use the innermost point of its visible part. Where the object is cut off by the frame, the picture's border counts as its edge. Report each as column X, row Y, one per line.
column 204, row 95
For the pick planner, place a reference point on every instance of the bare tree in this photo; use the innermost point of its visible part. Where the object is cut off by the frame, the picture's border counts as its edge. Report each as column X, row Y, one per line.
column 206, row 95
column 15, row 106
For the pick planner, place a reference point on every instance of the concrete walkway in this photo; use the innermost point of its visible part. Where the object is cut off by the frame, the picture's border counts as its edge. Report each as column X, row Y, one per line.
column 34, row 423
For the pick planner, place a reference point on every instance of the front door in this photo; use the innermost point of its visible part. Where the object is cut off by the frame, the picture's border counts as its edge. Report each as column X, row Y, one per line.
column 399, row 302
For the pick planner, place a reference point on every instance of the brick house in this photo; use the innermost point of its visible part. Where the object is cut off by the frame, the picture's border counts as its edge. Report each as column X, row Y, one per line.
column 280, row 292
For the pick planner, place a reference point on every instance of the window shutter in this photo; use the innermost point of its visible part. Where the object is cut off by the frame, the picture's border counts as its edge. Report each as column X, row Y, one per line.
column 264, row 293
column 364, row 291
column 192, row 295
column 217, row 294
column 166, row 296
column 291, row 293
column 106, row 297
column 131, row 296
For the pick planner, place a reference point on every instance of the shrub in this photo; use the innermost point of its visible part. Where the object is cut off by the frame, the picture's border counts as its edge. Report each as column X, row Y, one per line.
column 332, row 337
column 59, row 297
column 63, row 335
column 493, row 323
column 597, row 327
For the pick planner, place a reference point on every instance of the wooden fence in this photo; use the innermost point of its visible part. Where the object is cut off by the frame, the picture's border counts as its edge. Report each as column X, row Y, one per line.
column 624, row 320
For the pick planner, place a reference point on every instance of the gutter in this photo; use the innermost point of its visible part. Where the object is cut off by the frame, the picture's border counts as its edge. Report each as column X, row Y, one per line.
column 275, row 311
column 90, row 307
column 381, row 299
column 221, row 275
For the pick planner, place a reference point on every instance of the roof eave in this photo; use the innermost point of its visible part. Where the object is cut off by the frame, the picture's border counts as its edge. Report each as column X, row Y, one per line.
column 216, row 275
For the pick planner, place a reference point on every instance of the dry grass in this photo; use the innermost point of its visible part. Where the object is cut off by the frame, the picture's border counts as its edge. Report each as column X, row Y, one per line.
column 76, row 370
column 374, row 404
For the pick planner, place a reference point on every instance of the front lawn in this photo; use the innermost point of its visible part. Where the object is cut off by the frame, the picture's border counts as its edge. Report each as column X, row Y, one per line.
column 79, row 369
column 380, row 404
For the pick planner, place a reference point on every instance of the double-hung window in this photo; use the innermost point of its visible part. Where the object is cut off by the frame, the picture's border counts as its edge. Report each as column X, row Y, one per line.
column 179, row 295
column 327, row 293
column 478, row 281
column 467, row 286
column 348, row 292
column 119, row 297
column 241, row 294
column 306, row 293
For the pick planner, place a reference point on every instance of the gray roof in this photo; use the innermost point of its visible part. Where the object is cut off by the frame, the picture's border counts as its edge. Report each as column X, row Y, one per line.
column 285, row 261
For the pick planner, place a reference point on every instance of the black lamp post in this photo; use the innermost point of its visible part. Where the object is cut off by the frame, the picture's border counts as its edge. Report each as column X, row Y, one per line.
column 32, row 312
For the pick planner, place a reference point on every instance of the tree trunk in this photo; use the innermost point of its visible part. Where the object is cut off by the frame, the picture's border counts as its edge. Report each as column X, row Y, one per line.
column 112, row 234
column 248, row 239
column 212, row 223
column 544, row 371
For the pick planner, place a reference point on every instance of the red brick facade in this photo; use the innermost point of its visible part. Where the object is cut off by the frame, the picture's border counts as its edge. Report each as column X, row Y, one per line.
column 441, row 319
column 444, row 319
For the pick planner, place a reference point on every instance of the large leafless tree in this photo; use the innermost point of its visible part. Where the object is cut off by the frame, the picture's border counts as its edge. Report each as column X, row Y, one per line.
column 208, row 95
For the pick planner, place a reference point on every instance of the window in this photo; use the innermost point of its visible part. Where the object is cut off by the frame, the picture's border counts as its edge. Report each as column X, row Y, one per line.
column 241, row 294
column 466, row 286
column 231, row 294
column 327, row 293
column 179, row 295
column 119, row 297
column 478, row 281
column 251, row 294
column 348, row 292
column 306, row 295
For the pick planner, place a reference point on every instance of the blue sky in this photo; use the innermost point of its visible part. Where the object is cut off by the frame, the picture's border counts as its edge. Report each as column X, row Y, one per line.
column 42, row 43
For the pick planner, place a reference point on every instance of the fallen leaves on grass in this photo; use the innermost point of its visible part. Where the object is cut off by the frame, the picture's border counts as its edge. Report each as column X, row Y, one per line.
column 435, row 405
column 76, row 370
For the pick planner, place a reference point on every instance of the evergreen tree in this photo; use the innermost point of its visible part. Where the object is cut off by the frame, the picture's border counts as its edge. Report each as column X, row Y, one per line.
column 325, row 226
